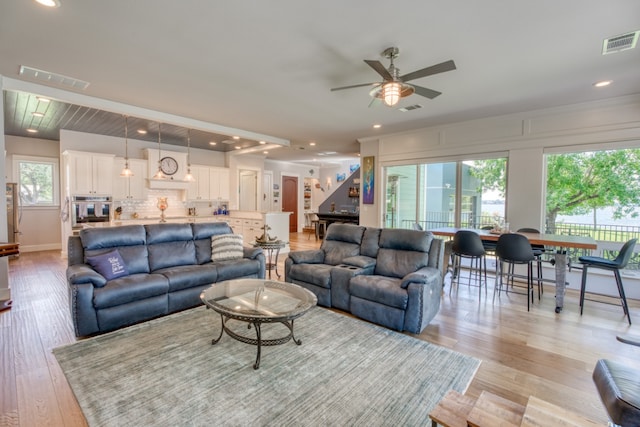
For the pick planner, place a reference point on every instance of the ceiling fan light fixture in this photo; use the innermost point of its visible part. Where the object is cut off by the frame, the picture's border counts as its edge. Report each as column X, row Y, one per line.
column 391, row 93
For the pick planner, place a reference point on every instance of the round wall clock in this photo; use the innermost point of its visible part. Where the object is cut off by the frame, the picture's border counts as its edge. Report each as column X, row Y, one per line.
column 168, row 165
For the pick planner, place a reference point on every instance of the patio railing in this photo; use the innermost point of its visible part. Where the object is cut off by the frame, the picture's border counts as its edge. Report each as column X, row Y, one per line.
column 610, row 238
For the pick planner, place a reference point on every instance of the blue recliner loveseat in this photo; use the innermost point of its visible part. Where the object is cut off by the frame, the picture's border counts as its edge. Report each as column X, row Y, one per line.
column 391, row 277
column 160, row 269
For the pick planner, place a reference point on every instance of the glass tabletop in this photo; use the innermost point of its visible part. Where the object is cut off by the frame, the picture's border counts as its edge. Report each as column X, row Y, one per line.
column 259, row 299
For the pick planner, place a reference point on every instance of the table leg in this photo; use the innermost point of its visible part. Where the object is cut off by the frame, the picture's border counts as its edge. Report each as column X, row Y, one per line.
column 259, row 334
column 561, row 278
column 276, row 264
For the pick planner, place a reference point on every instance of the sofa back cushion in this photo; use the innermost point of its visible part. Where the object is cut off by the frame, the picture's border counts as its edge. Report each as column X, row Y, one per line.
column 402, row 252
column 370, row 242
column 170, row 245
column 202, row 233
column 130, row 240
column 341, row 241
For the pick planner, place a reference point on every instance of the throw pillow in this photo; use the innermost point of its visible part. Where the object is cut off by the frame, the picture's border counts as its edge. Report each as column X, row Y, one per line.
column 110, row 265
column 226, row 247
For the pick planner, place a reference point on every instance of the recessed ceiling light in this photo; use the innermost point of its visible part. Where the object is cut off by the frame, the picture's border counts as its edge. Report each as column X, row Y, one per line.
column 312, row 143
column 236, row 137
column 37, row 114
column 602, row 83
column 377, row 126
column 142, row 131
column 213, row 143
column 49, row 3
column 265, row 152
column 32, row 130
column 237, row 147
column 263, row 142
column 42, row 99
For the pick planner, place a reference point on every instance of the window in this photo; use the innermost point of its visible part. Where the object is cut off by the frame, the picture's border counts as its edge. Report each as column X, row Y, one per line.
column 37, row 178
column 464, row 193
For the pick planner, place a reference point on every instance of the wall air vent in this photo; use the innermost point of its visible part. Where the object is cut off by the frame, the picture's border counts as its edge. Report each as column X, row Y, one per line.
column 52, row 78
column 410, row 107
column 620, row 43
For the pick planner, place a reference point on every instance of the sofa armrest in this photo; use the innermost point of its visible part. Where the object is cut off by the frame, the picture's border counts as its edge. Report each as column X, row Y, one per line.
column 83, row 273
column 422, row 276
column 314, row 256
column 251, row 253
column 361, row 261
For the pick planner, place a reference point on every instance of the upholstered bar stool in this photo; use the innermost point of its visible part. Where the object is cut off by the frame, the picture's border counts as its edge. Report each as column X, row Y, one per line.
column 612, row 265
column 467, row 244
column 514, row 249
column 619, row 389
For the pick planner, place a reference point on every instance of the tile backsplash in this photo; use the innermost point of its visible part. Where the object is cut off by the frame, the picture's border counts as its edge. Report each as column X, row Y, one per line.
column 177, row 207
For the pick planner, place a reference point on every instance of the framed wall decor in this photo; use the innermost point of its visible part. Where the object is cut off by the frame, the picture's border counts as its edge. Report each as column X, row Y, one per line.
column 368, row 179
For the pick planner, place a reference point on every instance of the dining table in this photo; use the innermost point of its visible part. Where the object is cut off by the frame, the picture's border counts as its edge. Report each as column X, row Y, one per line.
column 558, row 241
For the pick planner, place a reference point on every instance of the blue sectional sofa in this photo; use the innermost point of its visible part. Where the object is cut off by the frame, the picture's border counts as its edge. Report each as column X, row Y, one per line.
column 392, row 277
column 161, row 269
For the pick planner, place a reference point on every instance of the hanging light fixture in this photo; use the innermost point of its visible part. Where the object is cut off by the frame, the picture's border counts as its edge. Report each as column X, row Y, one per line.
column 188, row 177
column 126, row 172
column 391, row 93
column 159, row 174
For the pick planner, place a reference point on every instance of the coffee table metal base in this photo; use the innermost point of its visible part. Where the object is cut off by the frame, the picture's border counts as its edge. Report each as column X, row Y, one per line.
column 258, row 341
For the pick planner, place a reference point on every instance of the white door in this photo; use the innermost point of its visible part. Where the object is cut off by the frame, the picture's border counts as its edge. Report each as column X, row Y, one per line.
column 248, row 191
column 267, row 185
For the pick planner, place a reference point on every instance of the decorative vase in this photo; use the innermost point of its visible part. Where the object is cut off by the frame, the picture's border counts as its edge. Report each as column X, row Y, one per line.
column 162, row 205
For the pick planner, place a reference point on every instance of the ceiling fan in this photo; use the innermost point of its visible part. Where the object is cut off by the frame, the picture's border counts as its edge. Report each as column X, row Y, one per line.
column 394, row 86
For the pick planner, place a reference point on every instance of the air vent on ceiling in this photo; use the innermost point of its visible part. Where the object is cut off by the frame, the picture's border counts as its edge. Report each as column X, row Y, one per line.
column 410, row 107
column 52, row 78
column 620, row 43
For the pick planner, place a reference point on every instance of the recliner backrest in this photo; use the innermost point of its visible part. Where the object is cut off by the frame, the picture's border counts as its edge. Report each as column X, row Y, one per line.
column 129, row 240
column 402, row 252
column 341, row 241
column 170, row 245
column 202, row 233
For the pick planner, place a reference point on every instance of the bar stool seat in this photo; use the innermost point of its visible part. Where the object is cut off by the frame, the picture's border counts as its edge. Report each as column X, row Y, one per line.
column 619, row 390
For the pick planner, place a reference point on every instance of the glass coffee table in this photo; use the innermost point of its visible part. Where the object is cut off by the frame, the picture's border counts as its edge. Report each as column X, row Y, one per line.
column 258, row 301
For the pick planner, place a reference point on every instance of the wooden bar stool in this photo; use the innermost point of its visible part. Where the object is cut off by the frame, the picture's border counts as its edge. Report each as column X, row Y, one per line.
column 313, row 229
column 321, row 229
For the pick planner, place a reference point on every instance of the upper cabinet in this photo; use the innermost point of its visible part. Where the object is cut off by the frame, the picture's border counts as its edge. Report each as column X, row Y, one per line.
column 134, row 187
column 210, row 183
column 89, row 173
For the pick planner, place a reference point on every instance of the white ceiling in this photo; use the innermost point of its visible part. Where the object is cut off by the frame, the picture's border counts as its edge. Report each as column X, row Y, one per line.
column 268, row 66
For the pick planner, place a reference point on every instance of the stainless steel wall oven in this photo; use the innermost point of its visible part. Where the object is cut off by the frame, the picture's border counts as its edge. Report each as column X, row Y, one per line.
column 90, row 209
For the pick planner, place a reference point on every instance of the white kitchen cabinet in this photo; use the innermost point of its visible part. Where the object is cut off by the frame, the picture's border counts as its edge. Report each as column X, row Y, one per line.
column 210, row 183
column 251, row 229
column 134, row 187
column 89, row 173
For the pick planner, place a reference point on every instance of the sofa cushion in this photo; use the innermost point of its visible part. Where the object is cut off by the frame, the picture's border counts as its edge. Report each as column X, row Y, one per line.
column 107, row 237
column 226, row 247
column 316, row 274
column 202, row 233
column 370, row 242
column 399, row 263
column 381, row 289
column 311, row 256
column 336, row 251
column 171, row 254
column 189, row 276
column 237, row 268
column 348, row 233
column 109, row 264
column 161, row 233
column 408, row 240
column 134, row 287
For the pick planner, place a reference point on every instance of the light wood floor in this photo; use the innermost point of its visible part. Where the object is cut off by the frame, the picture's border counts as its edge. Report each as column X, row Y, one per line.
column 537, row 353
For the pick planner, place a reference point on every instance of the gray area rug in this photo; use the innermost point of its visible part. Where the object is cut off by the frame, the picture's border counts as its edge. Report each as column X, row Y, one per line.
column 346, row 372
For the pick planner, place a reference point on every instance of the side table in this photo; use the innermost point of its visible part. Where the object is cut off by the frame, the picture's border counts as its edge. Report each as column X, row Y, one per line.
column 270, row 248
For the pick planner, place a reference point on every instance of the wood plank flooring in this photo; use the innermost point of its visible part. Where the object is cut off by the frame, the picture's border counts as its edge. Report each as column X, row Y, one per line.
column 540, row 353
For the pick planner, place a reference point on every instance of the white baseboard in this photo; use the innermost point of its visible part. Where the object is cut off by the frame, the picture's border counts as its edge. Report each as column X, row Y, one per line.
column 37, row 248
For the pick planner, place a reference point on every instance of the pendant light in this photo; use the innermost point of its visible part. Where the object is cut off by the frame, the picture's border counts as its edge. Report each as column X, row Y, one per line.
column 126, row 172
column 188, row 177
column 159, row 174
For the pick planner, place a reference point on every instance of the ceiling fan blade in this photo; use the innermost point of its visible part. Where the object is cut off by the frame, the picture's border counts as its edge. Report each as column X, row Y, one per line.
column 375, row 102
column 429, row 71
column 428, row 93
column 377, row 65
column 352, row 86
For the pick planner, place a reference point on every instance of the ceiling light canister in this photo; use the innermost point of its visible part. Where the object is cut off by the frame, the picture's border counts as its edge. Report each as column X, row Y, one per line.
column 391, row 93
column 602, row 83
column 49, row 3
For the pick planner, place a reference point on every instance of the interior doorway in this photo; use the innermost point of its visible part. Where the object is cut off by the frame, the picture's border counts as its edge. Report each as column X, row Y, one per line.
column 267, row 191
column 290, row 200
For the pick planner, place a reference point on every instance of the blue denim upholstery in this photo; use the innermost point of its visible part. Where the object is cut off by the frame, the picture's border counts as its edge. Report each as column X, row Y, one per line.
column 391, row 277
column 169, row 266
